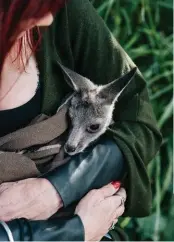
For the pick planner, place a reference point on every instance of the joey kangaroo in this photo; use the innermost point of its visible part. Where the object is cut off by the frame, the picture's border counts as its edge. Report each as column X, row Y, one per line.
column 91, row 108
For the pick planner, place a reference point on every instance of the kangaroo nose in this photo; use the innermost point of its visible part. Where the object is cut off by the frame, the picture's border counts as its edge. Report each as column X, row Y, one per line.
column 70, row 148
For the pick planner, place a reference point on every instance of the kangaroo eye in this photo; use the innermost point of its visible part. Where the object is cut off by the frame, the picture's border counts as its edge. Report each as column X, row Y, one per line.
column 93, row 128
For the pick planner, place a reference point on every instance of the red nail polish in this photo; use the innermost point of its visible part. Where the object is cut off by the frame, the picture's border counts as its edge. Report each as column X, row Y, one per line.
column 116, row 184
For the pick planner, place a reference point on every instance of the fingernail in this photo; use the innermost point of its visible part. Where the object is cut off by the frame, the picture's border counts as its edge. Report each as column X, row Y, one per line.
column 116, row 184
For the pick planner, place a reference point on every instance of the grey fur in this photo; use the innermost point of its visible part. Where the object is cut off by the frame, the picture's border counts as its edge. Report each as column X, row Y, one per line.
column 91, row 105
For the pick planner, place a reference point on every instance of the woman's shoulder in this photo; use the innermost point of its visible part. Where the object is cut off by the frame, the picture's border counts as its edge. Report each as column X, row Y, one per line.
column 74, row 11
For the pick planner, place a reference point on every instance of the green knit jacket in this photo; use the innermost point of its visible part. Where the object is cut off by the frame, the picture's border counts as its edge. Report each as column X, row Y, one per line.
column 80, row 39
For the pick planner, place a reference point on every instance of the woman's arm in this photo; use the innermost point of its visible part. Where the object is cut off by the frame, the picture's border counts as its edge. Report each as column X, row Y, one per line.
column 37, row 199
column 82, row 226
column 94, row 168
column 51, row 230
column 97, row 55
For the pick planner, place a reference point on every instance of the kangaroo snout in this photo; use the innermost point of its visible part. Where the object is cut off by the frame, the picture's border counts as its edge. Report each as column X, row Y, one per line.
column 69, row 149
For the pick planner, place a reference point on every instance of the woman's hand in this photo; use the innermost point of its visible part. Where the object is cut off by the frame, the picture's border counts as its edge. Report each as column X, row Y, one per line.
column 99, row 209
column 33, row 198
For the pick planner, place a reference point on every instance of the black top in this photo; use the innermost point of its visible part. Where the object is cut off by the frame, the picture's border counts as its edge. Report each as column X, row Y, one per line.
column 13, row 119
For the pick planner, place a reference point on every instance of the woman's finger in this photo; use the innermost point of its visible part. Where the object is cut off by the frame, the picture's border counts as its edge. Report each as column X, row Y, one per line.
column 116, row 220
column 112, row 224
column 115, row 201
column 122, row 193
column 119, row 211
column 110, row 189
column 115, row 210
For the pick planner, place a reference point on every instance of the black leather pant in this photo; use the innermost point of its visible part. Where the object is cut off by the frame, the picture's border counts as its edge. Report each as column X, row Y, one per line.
column 99, row 165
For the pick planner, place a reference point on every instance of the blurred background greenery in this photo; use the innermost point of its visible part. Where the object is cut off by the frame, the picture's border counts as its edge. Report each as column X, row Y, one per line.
column 144, row 28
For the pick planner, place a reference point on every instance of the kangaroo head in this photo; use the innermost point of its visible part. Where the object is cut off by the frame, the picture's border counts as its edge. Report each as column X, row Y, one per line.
column 91, row 108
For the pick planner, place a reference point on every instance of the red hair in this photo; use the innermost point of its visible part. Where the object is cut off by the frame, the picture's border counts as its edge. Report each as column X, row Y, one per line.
column 13, row 12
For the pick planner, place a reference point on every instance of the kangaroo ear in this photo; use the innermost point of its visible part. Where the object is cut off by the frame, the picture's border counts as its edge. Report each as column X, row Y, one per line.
column 75, row 80
column 113, row 90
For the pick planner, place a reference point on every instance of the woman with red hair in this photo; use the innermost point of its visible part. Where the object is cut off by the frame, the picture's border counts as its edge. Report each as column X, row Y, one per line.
column 34, row 37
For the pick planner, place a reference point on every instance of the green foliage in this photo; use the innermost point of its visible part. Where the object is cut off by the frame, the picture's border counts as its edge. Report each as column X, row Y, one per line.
column 144, row 29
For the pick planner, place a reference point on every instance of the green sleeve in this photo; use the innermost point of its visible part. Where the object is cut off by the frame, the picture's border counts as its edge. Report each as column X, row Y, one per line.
column 98, row 56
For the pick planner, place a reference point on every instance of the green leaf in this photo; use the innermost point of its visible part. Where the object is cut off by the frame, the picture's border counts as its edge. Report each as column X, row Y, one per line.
column 165, row 4
column 147, row 225
column 158, row 201
column 161, row 92
column 164, row 74
column 110, row 4
column 167, row 114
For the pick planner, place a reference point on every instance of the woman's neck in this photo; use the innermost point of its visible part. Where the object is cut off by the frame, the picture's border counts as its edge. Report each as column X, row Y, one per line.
column 23, row 73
